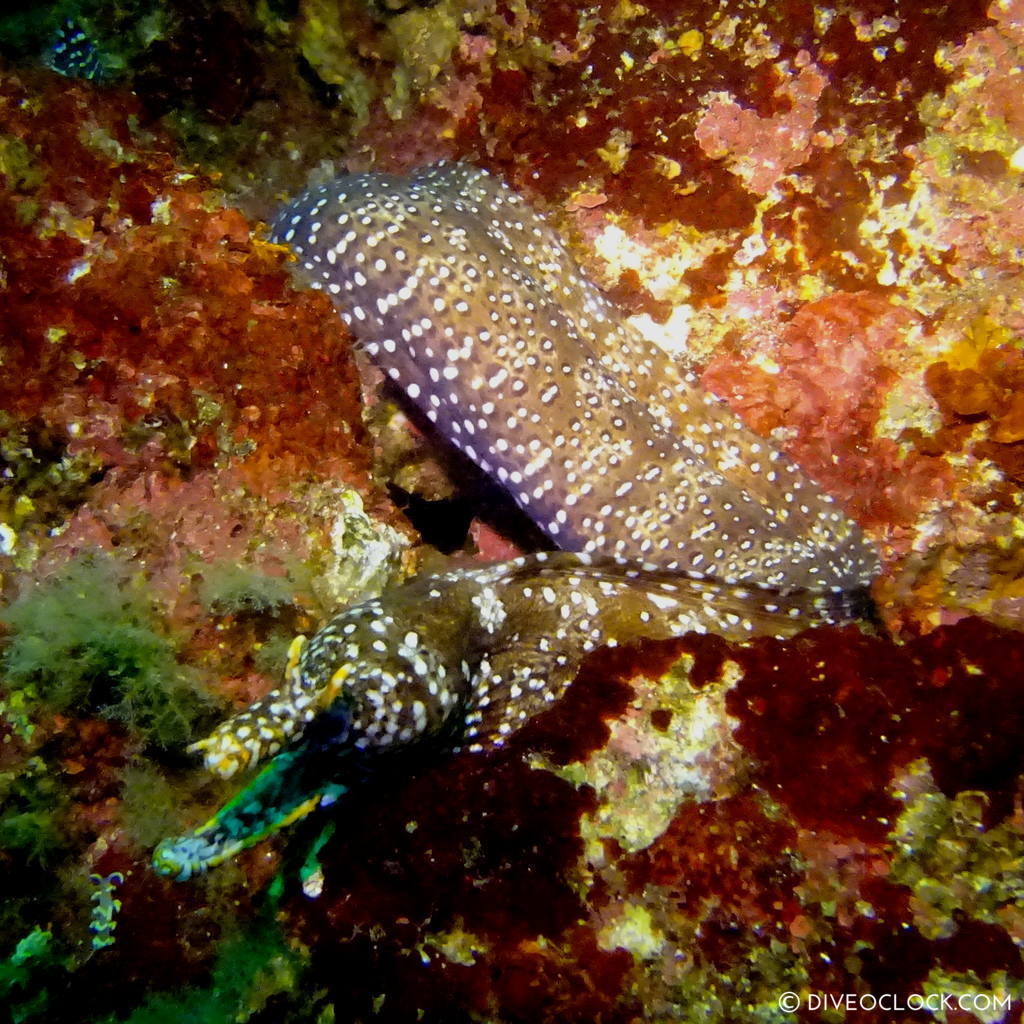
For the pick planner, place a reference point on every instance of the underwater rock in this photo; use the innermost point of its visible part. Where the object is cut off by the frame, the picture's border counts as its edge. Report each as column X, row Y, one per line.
column 702, row 806
column 517, row 885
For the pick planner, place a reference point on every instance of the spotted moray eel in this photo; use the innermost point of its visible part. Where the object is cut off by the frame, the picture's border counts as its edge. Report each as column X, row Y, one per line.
column 678, row 516
column 466, row 657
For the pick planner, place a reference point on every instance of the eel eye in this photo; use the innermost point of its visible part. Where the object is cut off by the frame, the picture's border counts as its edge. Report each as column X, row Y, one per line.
column 174, row 858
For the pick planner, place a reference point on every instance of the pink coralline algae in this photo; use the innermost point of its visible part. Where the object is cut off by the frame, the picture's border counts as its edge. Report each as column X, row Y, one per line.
column 725, row 131
column 823, row 382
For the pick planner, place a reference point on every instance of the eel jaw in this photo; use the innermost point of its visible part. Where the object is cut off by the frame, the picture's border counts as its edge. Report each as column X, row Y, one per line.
column 275, row 799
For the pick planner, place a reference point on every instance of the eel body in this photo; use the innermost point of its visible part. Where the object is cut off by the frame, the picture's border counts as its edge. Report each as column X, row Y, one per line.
column 472, row 305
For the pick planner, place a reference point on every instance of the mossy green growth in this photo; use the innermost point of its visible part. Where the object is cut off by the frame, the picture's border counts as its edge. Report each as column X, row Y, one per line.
column 231, row 587
column 746, row 993
column 33, row 802
column 86, row 640
column 25, row 976
column 955, row 865
column 254, row 971
column 18, row 165
column 150, row 806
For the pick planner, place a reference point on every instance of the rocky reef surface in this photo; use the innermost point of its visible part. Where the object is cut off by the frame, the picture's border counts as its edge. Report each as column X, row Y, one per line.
column 818, row 207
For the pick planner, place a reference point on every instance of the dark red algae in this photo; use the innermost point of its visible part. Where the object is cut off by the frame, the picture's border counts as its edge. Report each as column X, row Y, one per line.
column 830, row 716
column 729, row 847
column 469, row 891
column 616, row 67
column 816, row 875
column 459, row 894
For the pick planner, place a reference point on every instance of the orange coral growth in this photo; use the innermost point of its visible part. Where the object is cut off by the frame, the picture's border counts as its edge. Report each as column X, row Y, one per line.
column 979, row 566
column 992, row 392
column 959, row 392
column 149, row 325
